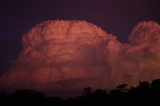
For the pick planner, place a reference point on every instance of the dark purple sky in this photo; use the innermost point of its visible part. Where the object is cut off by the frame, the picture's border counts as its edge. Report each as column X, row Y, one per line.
column 115, row 16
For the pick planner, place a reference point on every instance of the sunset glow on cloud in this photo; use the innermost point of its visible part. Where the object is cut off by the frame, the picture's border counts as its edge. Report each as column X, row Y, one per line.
column 63, row 56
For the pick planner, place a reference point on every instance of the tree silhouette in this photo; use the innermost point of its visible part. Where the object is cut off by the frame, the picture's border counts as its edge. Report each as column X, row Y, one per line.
column 87, row 91
column 156, row 85
column 145, row 94
column 122, row 87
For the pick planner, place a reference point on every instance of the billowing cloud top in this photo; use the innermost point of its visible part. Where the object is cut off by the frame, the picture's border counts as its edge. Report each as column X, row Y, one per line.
column 63, row 56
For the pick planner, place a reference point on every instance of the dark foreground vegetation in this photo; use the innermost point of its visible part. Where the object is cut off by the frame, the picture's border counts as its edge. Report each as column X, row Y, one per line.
column 145, row 94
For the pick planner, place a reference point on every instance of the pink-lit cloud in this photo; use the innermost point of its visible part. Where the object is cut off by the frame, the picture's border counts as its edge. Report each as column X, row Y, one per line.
column 66, row 56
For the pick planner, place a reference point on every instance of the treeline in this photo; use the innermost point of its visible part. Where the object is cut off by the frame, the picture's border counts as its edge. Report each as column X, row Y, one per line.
column 145, row 94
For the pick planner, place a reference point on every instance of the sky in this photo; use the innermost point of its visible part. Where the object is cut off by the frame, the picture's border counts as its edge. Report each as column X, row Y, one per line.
column 114, row 16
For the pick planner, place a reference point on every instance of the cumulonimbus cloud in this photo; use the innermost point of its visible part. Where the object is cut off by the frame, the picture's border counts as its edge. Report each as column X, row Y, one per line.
column 65, row 56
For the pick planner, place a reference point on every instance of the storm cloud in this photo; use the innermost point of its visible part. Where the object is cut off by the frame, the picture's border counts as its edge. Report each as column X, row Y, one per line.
column 68, row 55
